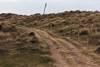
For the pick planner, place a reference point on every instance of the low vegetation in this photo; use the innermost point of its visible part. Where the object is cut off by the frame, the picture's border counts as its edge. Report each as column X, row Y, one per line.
column 21, row 48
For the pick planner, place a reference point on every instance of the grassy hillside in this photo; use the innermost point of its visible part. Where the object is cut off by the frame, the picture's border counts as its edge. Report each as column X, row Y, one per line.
column 21, row 48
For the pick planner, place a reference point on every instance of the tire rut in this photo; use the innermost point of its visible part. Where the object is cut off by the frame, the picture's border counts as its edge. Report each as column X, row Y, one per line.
column 59, row 60
column 62, row 51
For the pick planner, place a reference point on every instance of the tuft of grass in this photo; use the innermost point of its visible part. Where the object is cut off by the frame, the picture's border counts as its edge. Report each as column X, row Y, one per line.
column 46, row 59
column 25, row 60
column 6, row 64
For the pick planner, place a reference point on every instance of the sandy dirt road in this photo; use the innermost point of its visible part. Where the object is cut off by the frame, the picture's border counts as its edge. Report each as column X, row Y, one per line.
column 63, row 52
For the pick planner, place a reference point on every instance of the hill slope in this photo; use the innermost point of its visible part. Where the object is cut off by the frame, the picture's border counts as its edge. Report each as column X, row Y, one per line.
column 64, row 53
column 68, row 39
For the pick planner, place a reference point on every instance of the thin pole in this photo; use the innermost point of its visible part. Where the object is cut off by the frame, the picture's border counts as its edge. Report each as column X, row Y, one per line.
column 45, row 8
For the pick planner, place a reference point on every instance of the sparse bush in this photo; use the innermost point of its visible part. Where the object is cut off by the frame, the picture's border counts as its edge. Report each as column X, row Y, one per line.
column 8, row 28
column 98, row 43
column 4, row 36
column 34, row 40
column 84, row 31
column 96, row 35
column 74, row 32
column 3, row 52
column 51, row 25
column 46, row 59
column 31, row 34
column 97, row 50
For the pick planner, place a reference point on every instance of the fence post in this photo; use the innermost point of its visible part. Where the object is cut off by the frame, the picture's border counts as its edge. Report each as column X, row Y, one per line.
column 45, row 8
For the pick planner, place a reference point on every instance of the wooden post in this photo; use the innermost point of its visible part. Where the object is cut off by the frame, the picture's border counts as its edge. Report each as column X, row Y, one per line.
column 45, row 8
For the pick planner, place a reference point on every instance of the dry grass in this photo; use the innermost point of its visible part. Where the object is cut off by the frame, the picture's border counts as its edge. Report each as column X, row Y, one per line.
column 15, row 39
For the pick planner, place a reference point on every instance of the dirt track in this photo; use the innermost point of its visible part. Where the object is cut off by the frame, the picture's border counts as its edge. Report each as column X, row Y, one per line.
column 64, row 53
